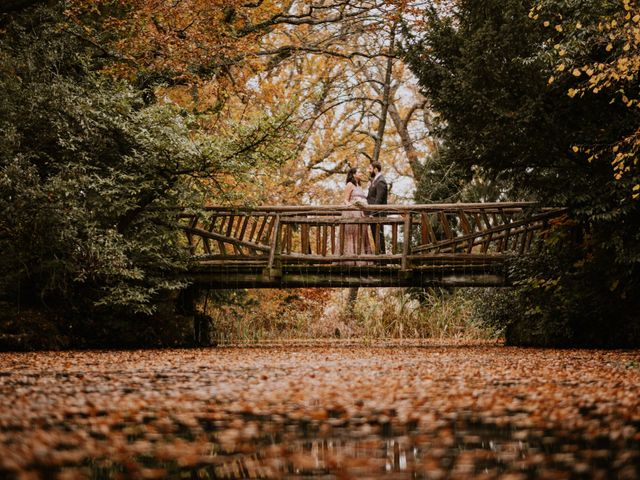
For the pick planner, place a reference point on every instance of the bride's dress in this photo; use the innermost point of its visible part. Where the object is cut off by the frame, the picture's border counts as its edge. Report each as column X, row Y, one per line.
column 351, row 237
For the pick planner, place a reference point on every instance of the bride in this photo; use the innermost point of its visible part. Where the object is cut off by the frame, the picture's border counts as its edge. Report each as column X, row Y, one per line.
column 355, row 195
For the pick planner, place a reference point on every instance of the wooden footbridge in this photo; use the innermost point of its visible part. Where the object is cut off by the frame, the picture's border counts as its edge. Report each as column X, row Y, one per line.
column 321, row 246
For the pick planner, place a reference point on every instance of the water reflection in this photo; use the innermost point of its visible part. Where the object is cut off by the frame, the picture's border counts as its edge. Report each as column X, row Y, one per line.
column 453, row 450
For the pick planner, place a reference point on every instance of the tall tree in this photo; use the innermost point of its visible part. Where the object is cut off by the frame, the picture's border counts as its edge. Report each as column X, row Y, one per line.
column 90, row 175
column 485, row 66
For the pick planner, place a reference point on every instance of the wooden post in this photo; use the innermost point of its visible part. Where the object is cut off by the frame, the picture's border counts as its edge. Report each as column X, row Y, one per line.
column 304, row 239
column 394, row 238
column 333, row 239
column 406, row 247
column 324, row 240
column 272, row 269
column 318, row 238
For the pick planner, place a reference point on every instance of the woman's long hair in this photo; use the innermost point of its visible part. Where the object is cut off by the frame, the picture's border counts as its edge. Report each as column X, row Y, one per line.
column 351, row 176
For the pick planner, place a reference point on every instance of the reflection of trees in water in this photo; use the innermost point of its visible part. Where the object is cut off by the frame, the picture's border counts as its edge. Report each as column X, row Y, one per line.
column 459, row 449
column 466, row 449
column 322, row 457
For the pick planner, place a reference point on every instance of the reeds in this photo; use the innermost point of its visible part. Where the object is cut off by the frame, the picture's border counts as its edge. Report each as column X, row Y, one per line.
column 377, row 314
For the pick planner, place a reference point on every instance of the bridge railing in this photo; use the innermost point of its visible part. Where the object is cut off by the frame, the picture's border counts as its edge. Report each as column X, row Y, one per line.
column 415, row 235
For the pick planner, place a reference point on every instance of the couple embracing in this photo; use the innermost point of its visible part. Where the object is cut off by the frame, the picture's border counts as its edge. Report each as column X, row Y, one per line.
column 355, row 195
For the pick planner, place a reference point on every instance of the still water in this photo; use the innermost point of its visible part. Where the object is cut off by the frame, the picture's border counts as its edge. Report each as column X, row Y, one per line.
column 365, row 448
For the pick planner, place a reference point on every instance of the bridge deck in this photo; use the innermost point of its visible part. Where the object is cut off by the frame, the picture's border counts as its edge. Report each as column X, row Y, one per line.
column 328, row 246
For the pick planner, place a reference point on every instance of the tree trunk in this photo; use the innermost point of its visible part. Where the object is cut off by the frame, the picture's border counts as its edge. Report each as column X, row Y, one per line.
column 402, row 126
column 386, row 94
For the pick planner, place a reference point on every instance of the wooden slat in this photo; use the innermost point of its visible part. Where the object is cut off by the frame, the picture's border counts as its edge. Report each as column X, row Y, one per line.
column 232, row 241
column 324, row 240
column 271, row 222
column 529, row 239
column 333, row 239
column 464, row 223
column 480, row 235
column 289, row 231
column 318, row 248
column 274, row 245
column 243, row 229
column 446, row 227
column 505, row 241
column 266, row 219
column 254, row 226
column 205, row 244
column 230, row 225
column 431, row 235
column 304, row 238
column 241, row 219
column 424, row 237
column 394, row 238
column 466, row 229
column 406, row 248
column 212, row 226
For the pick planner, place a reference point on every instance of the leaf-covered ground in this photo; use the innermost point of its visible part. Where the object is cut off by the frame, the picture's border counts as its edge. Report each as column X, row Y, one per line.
column 331, row 411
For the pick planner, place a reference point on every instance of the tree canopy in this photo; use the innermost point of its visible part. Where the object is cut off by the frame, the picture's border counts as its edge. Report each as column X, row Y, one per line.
column 517, row 112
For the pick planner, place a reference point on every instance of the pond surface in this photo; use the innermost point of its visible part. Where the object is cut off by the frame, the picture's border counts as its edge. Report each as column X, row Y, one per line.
column 332, row 411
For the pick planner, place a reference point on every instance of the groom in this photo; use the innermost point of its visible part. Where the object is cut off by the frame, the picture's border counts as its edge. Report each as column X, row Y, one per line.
column 377, row 195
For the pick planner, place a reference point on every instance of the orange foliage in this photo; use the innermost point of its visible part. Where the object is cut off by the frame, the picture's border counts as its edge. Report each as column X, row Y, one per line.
column 343, row 411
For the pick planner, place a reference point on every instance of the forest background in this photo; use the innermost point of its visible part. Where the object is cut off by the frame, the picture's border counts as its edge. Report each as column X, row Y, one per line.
column 111, row 109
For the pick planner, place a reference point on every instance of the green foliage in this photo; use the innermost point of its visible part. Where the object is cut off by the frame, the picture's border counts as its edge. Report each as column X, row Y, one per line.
column 90, row 176
column 483, row 70
column 570, row 299
column 593, row 46
column 486, row 67
column 83, row 168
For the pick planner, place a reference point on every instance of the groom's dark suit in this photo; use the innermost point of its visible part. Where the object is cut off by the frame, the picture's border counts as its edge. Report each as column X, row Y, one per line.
column 378, row 191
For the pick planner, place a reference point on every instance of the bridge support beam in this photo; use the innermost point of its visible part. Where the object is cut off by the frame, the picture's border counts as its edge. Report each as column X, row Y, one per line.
column 352, row 277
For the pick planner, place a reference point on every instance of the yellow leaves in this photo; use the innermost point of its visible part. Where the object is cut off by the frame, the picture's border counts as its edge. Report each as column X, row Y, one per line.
column 636, row 18
column 560, row 67
column 546, row 23
column 575, row 149
column 572, row 92
column 609, row 47
column 558, row 28
column 576, row 72
column 551, row 80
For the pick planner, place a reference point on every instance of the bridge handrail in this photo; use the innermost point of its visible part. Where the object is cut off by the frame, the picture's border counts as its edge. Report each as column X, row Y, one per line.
column 260, row 244
column 390, row 208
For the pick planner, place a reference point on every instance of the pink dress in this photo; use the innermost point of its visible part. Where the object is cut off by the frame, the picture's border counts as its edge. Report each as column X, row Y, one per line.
column 357, row 232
